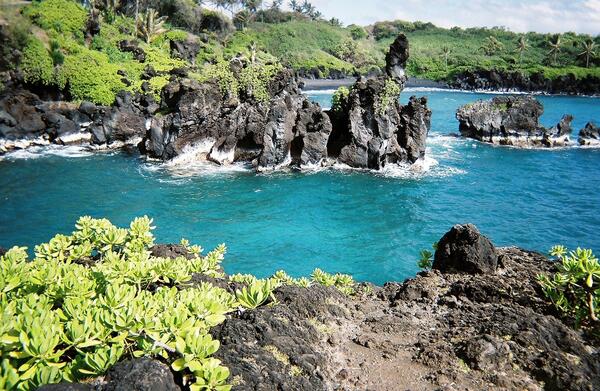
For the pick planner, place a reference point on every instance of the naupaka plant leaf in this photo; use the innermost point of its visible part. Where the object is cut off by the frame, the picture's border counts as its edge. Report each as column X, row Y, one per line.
column 575, row 288
column 98, row 295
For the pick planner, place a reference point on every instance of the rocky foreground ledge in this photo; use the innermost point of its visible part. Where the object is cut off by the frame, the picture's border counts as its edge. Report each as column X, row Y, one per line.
column 477, row 321
column 515, row 121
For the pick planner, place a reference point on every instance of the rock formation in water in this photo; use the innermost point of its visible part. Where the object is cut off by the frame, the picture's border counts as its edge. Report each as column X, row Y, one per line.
column 457, row 327
column 280, row 128
column 590, row 135
column 286, row 129
column 512, row 120
column 371, row 128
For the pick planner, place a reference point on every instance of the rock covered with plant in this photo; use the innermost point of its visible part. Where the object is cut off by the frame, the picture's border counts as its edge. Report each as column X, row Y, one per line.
column 149, row 88
column 512, row 120
column 371, row 128
column 243, row 112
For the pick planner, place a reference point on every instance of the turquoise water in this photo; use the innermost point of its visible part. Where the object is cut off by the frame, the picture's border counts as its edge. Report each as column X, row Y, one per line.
column 370, row 225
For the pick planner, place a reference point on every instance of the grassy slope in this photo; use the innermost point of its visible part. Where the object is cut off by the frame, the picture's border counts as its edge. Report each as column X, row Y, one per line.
column 300, row 44
column 306, row 44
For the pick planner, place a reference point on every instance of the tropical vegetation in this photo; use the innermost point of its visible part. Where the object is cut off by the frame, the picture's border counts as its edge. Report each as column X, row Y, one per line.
column 78, row 47
column 98, row 296
column 575, row 288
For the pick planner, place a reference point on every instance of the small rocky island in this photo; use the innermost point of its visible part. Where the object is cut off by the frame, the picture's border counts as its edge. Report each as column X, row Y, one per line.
column 512, row 120
column 515, row 121
column 274, row 128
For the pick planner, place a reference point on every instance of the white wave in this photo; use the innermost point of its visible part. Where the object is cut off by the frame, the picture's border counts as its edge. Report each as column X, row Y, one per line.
column 36, row 152
column 320, row 92
column 192, row 154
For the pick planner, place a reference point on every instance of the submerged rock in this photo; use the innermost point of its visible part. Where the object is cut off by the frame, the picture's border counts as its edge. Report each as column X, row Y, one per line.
column 590, row 135
column 511, row 120
column 464, row 249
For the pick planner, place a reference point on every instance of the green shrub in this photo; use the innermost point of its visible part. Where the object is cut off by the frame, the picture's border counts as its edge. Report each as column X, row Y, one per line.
column 390, row 93
column 575, row 288
column 339, row 100
column 425, row 261
column 84, row 303
column 64, row 16
column 37, row 64
column 88, row 75
column 62, row 321
column 252, row 81
column 357, row 32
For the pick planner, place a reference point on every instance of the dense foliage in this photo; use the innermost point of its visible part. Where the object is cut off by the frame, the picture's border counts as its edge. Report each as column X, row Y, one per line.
column 97, row 296
column 299, row 38
column 575, row 288
column 93, row 69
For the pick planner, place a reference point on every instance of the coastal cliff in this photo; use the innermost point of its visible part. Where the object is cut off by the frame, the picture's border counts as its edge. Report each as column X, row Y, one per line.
column 497, row 80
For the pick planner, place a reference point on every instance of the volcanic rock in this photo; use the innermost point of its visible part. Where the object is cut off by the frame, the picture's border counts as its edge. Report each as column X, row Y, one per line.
column 590, row 135
column 464, row 249
column 511, row 120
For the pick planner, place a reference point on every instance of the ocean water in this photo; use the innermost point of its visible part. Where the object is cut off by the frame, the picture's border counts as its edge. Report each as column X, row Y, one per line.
column 371, row 225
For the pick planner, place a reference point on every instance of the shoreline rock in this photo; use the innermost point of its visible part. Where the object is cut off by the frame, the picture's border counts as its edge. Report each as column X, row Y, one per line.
column 469, row 330
column 590, row 135
column 512, row 120
column 496, row 80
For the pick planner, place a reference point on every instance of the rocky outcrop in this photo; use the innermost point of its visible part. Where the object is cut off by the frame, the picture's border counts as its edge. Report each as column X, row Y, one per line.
column 286, row 129
column 453, row 328
column 372, row 129
column 270, row 124
column 511, row 120
column 186, row 49
column 589, row 135
column 25, row 120
column 464, row 249
column 496, row 80
column 142, row 374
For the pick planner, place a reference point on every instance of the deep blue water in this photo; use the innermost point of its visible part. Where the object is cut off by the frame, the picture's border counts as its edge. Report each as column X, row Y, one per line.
column 369, row 225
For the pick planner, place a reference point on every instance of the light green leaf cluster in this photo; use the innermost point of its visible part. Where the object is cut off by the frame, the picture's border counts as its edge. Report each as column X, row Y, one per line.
column 63, row 16
column 252, row 81
column 36, row 63
column 390, row 93
column 89, row 75
column 258, row 291
column 82, row 304
column 339, row 100
column 575, row 288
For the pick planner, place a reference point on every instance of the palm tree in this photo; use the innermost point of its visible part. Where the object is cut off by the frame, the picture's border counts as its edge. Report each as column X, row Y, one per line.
column 589, row 48
column 491, row 45
column 240, row 20
column 555, row 47
column 522, row 47
column 150, row 25
column 294, row 5
column 446, row 52
column 253, row 5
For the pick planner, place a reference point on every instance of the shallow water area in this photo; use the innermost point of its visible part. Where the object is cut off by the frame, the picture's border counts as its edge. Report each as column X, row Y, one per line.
column 371, row 225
